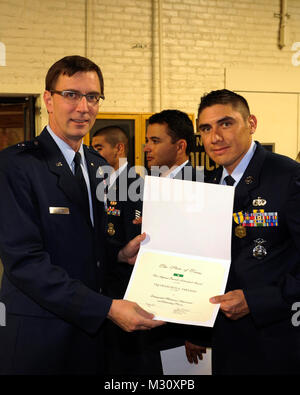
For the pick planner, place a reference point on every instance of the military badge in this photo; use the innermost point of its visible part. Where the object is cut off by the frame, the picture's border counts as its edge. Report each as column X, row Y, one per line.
column 111, row 230
column 259, row 218
column 259, row 202
column 113, row 211
column 240, row 230
column 249, row 180
column 259, row 250
column 137, row 214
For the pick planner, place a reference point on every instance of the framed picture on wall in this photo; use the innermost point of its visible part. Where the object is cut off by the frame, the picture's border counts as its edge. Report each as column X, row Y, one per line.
column 132, row 124
column 269, row 146
column 126, row 122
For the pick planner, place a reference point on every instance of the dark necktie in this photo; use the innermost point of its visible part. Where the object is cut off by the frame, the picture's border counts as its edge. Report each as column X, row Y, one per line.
column 81, row 182
column 229, row 180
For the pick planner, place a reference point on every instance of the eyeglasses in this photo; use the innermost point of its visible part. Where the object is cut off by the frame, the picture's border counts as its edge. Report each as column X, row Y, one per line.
column 75, row 97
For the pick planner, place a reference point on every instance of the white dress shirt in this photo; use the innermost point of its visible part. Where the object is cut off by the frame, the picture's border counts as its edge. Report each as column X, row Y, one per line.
column 238, row 172
column 69, row 154
column 174, row 172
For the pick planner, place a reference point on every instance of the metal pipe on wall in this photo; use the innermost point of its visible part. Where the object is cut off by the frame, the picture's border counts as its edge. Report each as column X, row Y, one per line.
column 88, row 32
column 161, row 58
column 283, row 21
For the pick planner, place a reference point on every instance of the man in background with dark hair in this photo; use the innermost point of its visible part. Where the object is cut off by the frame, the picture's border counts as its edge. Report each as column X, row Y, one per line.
column 121, row 207
column 254, row 331
column 112, row 143
column 127, row 354
column 51, row 238
column 169, row 141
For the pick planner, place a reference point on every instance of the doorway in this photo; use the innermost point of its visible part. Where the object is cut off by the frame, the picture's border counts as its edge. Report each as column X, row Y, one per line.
column 17, row 119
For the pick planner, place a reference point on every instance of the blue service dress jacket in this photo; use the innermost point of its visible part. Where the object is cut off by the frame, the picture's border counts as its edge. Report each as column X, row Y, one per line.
column 126, row 353
column 123, row 204
column 266, row 266
column 53, row 263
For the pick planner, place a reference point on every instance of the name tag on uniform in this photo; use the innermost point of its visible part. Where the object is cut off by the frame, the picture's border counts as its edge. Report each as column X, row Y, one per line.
column 59, row 210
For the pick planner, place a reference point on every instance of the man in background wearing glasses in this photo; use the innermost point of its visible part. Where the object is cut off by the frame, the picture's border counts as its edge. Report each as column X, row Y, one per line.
column 51, row 238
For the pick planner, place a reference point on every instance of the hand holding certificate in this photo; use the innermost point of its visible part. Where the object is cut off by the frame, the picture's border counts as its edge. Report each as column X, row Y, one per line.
column 185, row 258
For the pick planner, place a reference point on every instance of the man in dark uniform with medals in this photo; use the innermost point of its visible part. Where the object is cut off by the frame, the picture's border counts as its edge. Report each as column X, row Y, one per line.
column 120, row 209
column 254, row 331
column 51, row 238
column 127, row 354
column 169, row 141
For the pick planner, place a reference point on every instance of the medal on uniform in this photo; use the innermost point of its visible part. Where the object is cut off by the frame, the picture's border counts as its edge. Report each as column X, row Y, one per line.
column 260, row 218
column 259, row 250
column 240, row 230
column 113, row 211
column 111, row 231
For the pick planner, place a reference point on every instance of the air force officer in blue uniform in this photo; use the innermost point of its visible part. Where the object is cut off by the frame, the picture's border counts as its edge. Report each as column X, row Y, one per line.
column 51, row 238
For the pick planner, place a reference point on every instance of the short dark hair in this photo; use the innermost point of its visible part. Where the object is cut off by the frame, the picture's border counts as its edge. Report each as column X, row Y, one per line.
column 225, row 96
column 114, row 135
column 69, row 65
column 179, row 126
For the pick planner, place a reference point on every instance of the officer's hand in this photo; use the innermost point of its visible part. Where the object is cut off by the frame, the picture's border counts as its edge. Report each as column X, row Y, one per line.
column 131, row 317
column 129, row 252
column 233, row 304
column 193, row 352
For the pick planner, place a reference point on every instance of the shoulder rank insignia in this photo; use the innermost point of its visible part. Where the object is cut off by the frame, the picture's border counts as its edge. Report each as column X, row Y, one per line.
column 28, row 144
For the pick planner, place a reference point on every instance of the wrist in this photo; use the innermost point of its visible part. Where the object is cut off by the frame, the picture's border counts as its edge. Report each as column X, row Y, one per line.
column 121, row 256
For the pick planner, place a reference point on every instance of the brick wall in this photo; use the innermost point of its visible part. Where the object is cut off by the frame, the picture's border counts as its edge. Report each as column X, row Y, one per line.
column 200, row 39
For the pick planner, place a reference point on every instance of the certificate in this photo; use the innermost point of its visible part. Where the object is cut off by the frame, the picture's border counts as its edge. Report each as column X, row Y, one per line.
column 185, row 258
